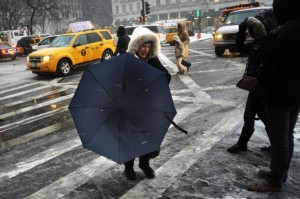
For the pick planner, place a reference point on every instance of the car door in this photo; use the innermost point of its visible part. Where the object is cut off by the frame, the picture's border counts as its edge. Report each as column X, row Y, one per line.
column 83, row 52
column 94, row 41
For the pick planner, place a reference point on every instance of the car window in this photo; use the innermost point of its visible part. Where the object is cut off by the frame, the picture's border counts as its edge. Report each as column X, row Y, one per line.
column 81, row 40
column 45, row 41
column 62, row 41
column 106, row 35
column 93, row 37
column 235, row 18
column 160, row 29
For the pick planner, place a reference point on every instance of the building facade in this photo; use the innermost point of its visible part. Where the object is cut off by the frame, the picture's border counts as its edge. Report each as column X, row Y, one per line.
column 125, row 12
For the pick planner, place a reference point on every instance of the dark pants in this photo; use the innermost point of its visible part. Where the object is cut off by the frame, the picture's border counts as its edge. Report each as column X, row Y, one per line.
column 254, row 105
column 282, row 121
column 144, row 159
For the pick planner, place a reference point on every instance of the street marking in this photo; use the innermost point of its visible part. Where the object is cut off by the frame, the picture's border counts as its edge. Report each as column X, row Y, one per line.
column 66, row 184
column 31, row 98
column 34, row 135
column 18, row 87
column 25, row 92
column 33, row 118
column 40, row 158
column 23, row 110
column 202, row 53
column 214, row 88
column 181, row 162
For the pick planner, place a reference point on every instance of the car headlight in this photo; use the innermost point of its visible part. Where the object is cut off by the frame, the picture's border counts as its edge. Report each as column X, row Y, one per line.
column 218, row 36
column 46, row 58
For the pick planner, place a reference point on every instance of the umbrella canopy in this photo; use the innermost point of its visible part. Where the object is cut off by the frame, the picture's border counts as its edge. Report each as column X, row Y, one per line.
column 122, row 108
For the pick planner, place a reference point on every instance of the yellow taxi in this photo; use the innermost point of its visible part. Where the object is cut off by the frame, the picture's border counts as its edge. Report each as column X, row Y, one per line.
column 170, row 32
column 70, row 50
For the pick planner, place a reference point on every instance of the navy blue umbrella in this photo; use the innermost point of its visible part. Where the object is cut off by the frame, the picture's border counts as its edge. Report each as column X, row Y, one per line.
column 122, row 108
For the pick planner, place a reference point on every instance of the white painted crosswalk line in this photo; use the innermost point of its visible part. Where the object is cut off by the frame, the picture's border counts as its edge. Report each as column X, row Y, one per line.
column 181, row 162
column 18, row 87
column 24, row 92
column 40, row 158
column 23, row 110
column 66, row 184
column 31, row 98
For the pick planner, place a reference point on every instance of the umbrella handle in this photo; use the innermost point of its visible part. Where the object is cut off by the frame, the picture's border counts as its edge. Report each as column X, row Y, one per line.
column 175, row 125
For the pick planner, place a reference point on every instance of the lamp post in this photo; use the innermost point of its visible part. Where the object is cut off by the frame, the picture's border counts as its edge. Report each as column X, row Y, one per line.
column 143, row 11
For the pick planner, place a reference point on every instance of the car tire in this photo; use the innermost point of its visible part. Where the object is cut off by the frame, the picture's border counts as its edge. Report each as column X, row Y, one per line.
column 107, row 55
column 64, row 67
column 219, row 51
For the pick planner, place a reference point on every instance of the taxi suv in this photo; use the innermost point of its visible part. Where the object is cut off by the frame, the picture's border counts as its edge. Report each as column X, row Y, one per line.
column 70, row 50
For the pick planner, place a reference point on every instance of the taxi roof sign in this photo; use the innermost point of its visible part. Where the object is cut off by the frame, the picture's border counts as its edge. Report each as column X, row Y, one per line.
column 80, row 26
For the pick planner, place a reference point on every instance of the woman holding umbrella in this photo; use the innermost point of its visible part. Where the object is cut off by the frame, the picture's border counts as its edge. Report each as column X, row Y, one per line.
column 145, row 46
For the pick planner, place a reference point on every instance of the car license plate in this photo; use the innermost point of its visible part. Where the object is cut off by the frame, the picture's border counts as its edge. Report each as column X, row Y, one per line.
column 11, row 51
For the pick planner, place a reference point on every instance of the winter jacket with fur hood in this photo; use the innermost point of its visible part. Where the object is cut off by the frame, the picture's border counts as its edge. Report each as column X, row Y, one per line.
column 280, row 75
column 184, row 37
column 178, row 47
column 153, row 60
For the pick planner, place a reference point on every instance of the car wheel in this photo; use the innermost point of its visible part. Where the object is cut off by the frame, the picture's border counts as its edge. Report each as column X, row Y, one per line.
column 64, row 67
column 219, row 51
column 107, row 55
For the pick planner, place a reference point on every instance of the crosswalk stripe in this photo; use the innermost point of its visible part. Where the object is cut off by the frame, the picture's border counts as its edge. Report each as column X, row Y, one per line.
column 36, row 106
column 40, row 158
column 24, row 92
column 33, row 118
column 34, row 135
column 68, row 183
column 18, row 87
column 34, row 97
column 175, row 167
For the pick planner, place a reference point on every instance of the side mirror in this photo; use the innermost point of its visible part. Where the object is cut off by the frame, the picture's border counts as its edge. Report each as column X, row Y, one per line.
column 75, row 45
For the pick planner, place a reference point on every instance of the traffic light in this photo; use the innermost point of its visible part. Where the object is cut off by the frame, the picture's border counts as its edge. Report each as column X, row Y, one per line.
column 147, row 8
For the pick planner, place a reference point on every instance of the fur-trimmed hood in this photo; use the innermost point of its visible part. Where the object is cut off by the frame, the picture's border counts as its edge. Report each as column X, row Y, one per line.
column 142, row 37
column 256, row 28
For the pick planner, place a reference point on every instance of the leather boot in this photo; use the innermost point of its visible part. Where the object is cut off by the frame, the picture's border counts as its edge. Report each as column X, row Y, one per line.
column 237, row 148
column 129, row 171
column 144, row 165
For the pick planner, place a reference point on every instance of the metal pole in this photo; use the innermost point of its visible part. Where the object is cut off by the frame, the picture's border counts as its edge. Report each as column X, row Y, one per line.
column 143, row 11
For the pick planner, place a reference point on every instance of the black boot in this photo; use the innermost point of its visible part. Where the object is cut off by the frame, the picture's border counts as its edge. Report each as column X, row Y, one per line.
column 129, row 172
column 237, row 148
column 266, row 148
column 144, row 165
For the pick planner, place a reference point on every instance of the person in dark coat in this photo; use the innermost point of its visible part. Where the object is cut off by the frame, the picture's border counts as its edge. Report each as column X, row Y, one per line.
column 280, row 82
column 123, row 41
column 254, row 105
column 145, row 46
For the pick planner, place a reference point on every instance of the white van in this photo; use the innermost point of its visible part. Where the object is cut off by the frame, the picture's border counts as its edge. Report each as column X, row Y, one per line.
column 224, row 37
column 158, row 29
column 12, row 36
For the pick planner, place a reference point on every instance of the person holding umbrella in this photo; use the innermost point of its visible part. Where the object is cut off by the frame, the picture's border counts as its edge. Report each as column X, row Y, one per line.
column 145, row 46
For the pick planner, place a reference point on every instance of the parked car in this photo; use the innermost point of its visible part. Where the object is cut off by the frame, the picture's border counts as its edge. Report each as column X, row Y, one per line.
column 224, row 37
column 71, row 49
column 7, row 51
column 158, row 29
column 44, row 43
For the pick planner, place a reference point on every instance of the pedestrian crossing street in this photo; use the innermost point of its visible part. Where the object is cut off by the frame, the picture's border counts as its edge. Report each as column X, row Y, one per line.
column 41, row 155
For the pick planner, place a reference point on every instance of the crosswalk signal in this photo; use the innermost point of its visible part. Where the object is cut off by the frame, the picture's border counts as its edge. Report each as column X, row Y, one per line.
column 147, row 8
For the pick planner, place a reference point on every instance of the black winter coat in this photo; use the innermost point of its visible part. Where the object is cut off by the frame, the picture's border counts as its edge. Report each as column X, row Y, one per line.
column 122, row 45
column 157, row 64
column 280, row 76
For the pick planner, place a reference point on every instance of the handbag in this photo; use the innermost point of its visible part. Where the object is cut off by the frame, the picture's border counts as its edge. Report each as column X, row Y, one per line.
column 247, row 83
